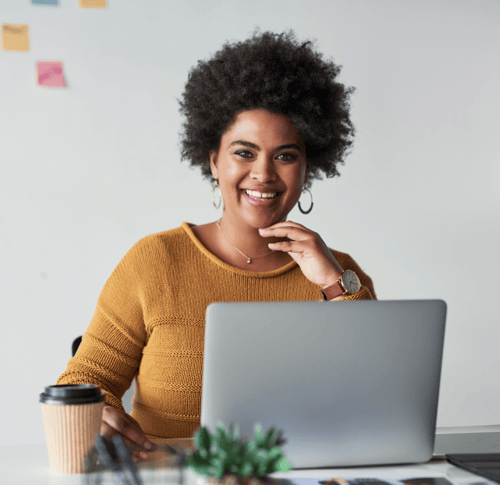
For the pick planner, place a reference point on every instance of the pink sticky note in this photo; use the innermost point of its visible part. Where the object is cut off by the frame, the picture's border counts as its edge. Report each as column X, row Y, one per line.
column 50, row 74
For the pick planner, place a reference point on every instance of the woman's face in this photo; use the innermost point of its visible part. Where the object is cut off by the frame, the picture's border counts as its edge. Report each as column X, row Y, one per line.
column 261, row 167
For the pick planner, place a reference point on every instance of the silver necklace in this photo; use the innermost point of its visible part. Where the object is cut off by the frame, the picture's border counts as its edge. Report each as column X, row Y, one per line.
column 248, row 258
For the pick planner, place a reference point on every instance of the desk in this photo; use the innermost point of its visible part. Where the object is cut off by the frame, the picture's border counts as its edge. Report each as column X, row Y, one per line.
column 29, row 465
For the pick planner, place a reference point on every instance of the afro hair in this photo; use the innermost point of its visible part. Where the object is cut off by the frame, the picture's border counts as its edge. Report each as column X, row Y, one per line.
column 277, row 73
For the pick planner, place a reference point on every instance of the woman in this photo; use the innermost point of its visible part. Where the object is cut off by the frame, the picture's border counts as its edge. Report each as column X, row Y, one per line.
column 264, row 118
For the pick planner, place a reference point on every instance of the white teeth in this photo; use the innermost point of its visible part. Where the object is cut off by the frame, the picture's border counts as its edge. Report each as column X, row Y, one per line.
column 259, row 195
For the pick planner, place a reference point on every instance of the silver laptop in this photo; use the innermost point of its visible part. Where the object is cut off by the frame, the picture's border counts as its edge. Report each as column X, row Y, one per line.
column 353, row 383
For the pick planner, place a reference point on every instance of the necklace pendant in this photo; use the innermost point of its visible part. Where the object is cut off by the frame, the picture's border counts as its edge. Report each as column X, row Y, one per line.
column 249, row 261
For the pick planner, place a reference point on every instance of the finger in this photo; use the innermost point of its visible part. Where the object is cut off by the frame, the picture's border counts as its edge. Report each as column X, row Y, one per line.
column 127, row 427
column 146, row 442
column 294, row 233
column 135, row 451
column 120, row 423
column 289, row 224
column 132, row 447
column 289, row 246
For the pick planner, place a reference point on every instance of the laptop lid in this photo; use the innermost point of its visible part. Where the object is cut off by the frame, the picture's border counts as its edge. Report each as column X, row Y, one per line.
column 349, row 384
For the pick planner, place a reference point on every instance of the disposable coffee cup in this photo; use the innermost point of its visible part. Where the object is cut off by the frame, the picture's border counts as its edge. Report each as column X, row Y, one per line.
column 72, row 416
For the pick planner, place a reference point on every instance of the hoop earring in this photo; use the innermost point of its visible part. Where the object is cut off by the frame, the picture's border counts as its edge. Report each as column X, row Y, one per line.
column 311, row 206
column 216, row 186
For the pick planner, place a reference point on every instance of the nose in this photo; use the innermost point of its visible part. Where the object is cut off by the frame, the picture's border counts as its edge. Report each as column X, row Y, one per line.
column 263, row 169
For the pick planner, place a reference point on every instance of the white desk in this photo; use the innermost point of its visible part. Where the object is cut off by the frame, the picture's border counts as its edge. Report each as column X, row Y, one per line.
column 471, row 439
column 29, row 465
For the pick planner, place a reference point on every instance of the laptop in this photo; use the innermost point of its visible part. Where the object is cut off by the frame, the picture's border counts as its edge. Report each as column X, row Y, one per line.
column 349, row 384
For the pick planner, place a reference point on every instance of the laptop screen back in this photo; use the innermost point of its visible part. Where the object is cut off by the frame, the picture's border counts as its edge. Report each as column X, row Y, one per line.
column 353, row 383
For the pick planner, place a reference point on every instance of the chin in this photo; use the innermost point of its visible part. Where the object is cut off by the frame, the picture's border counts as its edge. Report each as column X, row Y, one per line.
column 264, row 221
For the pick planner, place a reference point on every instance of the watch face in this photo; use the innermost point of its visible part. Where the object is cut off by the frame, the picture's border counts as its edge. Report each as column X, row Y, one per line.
column 351, row 281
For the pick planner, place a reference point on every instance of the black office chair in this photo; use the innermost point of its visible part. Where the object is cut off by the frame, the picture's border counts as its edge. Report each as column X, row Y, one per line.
column 129, row 393
column 75, row 345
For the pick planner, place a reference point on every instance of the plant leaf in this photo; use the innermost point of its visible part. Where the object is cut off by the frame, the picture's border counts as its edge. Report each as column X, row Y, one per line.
column 234, row 453
column 283, row 465
column 259, row 436
column 198, row 464
column 273, row 463
column 219, row 434
column 263, row 465
column 235, row 432
column 270, row 438
column 219, row 472
column 196, row 459
column 246, row 469
column 279, row 438
column 251, row 446
column 224, row 442
column 220, row 465
column 202, row 439
column 275, row 451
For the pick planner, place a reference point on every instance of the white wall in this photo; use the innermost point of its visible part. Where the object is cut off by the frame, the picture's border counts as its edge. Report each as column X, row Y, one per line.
column 88, row 170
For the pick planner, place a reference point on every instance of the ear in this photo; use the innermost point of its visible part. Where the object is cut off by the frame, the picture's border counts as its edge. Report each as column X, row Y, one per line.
column 213, row 164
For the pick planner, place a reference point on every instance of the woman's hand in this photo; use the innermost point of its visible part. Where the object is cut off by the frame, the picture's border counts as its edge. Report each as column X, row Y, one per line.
column 117, row 422
column 309, row 251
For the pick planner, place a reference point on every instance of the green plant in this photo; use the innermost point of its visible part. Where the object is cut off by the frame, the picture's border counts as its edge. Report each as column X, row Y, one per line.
column 225, row 453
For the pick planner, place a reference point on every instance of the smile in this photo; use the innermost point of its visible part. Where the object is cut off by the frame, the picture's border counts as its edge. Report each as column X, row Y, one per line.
column 261, row 196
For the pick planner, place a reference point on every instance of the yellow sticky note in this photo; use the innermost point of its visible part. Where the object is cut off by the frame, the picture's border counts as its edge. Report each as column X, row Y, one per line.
column 93, row 3
column 15, row 37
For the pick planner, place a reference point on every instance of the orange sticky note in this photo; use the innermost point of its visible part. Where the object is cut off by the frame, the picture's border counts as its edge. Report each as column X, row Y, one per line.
column 50, row 74
column 93, row 3
column 15, row 37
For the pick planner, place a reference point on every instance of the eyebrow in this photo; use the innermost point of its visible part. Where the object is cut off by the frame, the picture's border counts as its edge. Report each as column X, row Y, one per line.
column 256, row 147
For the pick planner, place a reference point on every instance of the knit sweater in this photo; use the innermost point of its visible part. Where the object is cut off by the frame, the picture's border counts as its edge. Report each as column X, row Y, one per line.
column 150, row 323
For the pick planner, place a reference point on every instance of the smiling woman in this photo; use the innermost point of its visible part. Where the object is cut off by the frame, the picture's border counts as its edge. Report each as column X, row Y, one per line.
column 261, row 167
column 264, row 118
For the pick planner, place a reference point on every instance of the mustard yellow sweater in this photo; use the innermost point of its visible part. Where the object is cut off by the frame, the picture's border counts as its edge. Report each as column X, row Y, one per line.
column 150, row 323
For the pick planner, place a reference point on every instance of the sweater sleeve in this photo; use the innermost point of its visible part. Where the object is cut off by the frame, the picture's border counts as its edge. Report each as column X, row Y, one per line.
column 111, row 348
column 367, row 291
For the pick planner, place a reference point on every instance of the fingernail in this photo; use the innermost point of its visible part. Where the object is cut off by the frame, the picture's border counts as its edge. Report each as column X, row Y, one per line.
column 143, row 454
column 149, row 445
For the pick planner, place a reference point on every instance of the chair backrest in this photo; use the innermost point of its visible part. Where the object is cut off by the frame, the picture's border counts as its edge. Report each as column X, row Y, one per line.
column 75, row 345
column 129, row 393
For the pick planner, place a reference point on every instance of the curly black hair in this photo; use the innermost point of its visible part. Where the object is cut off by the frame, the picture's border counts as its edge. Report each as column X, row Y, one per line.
column 277, row 73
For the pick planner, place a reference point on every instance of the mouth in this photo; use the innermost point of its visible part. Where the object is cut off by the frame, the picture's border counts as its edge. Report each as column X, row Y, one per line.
column 260, row 196
column 255, row 197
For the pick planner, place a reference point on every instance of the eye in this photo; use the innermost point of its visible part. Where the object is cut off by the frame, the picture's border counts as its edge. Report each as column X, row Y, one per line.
column 287, row 157
column 244, row 153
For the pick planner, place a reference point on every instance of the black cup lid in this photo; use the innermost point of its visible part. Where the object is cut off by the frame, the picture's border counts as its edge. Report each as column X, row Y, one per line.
column 72, row 394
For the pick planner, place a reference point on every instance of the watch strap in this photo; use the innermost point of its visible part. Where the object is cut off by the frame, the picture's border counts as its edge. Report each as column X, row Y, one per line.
column 332, row 291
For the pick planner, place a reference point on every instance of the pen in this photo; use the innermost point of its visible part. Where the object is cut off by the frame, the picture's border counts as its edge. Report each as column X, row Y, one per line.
column 125, row 458
column 108, row 455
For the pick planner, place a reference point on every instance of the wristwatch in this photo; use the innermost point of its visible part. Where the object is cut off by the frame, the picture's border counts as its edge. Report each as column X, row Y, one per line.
column 347, row 284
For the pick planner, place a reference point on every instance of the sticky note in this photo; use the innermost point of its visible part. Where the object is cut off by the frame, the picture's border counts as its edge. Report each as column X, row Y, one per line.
column 44, row 2
column 50, row 74
column 93, row 3
column 15, row 37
